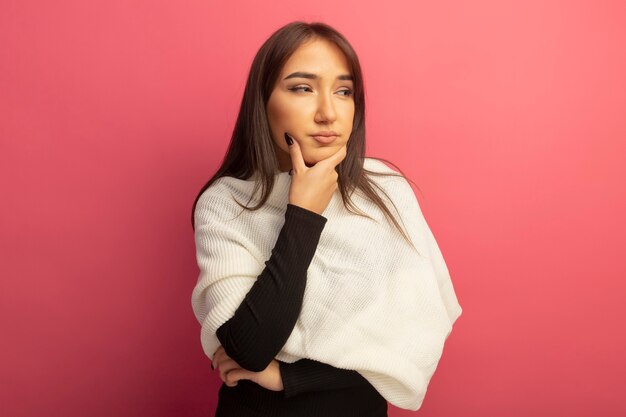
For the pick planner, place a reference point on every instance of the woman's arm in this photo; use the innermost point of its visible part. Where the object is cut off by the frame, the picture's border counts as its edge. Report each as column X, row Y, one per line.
column 265, row 319
column 260, row 307
column 306, row 375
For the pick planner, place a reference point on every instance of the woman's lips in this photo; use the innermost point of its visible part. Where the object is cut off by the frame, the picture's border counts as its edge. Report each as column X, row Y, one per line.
column 325, row 139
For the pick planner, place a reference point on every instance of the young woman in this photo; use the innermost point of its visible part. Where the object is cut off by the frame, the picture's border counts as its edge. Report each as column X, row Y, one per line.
column 313, row 299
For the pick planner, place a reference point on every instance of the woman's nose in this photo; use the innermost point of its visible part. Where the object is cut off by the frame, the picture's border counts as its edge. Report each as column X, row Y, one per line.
column 325, row 109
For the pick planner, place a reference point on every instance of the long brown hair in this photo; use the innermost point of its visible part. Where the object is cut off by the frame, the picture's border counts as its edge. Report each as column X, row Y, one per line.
column 251, row 149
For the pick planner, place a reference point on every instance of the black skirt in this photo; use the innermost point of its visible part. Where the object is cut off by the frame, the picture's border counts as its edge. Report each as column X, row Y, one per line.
column 248, row 399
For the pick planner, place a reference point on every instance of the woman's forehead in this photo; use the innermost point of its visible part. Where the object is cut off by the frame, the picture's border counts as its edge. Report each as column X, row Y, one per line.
column 315, row 60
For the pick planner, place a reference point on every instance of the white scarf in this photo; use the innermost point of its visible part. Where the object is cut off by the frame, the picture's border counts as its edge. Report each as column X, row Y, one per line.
column 371, row 303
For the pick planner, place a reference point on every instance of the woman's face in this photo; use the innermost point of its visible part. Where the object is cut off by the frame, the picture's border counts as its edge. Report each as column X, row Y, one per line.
column 310, row 96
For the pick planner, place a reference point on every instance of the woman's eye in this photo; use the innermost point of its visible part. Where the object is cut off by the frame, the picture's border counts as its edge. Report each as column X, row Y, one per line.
column 298, row 88
column 301, row 88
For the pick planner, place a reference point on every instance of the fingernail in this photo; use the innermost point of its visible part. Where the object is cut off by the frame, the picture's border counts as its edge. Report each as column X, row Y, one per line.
column 288, row 139
column 212, row 367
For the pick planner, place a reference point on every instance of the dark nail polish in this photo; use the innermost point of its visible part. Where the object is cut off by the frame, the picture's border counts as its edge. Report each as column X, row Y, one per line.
column 288, row 139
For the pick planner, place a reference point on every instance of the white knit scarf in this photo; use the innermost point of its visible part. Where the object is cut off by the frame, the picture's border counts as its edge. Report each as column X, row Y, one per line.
column 371, row 302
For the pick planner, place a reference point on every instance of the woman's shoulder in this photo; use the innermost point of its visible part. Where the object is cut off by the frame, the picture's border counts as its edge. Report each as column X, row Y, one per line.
column 393, row 182
column 217, row 202
column 376, row 165
column 391, row 177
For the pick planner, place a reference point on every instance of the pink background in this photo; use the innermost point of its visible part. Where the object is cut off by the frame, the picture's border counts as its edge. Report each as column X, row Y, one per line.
column 510, row 116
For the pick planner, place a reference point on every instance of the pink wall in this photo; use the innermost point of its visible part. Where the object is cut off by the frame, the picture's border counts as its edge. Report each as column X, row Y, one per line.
column 509, row 115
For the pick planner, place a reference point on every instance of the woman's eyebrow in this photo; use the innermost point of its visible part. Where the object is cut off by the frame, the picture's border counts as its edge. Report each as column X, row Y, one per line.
column 299, row 74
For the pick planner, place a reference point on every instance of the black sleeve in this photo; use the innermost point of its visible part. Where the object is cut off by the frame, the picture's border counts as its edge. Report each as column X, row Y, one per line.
column 265, row 319
column 307, row 375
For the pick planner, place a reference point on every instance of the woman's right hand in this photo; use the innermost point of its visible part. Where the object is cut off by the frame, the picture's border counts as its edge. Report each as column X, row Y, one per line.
column 313, row 187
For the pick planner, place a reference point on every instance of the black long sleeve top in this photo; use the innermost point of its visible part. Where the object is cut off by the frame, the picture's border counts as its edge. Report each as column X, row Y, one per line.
column 264, row 321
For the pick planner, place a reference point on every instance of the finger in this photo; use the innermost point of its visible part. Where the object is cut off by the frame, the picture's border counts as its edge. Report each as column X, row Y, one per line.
column 227, row 366
column 234, row 375
column 217, row 357
column 228, row 379
column 295, row 152
column 217, row 350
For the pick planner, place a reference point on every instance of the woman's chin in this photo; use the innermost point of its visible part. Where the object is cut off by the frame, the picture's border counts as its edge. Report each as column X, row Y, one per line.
column 313, row 157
